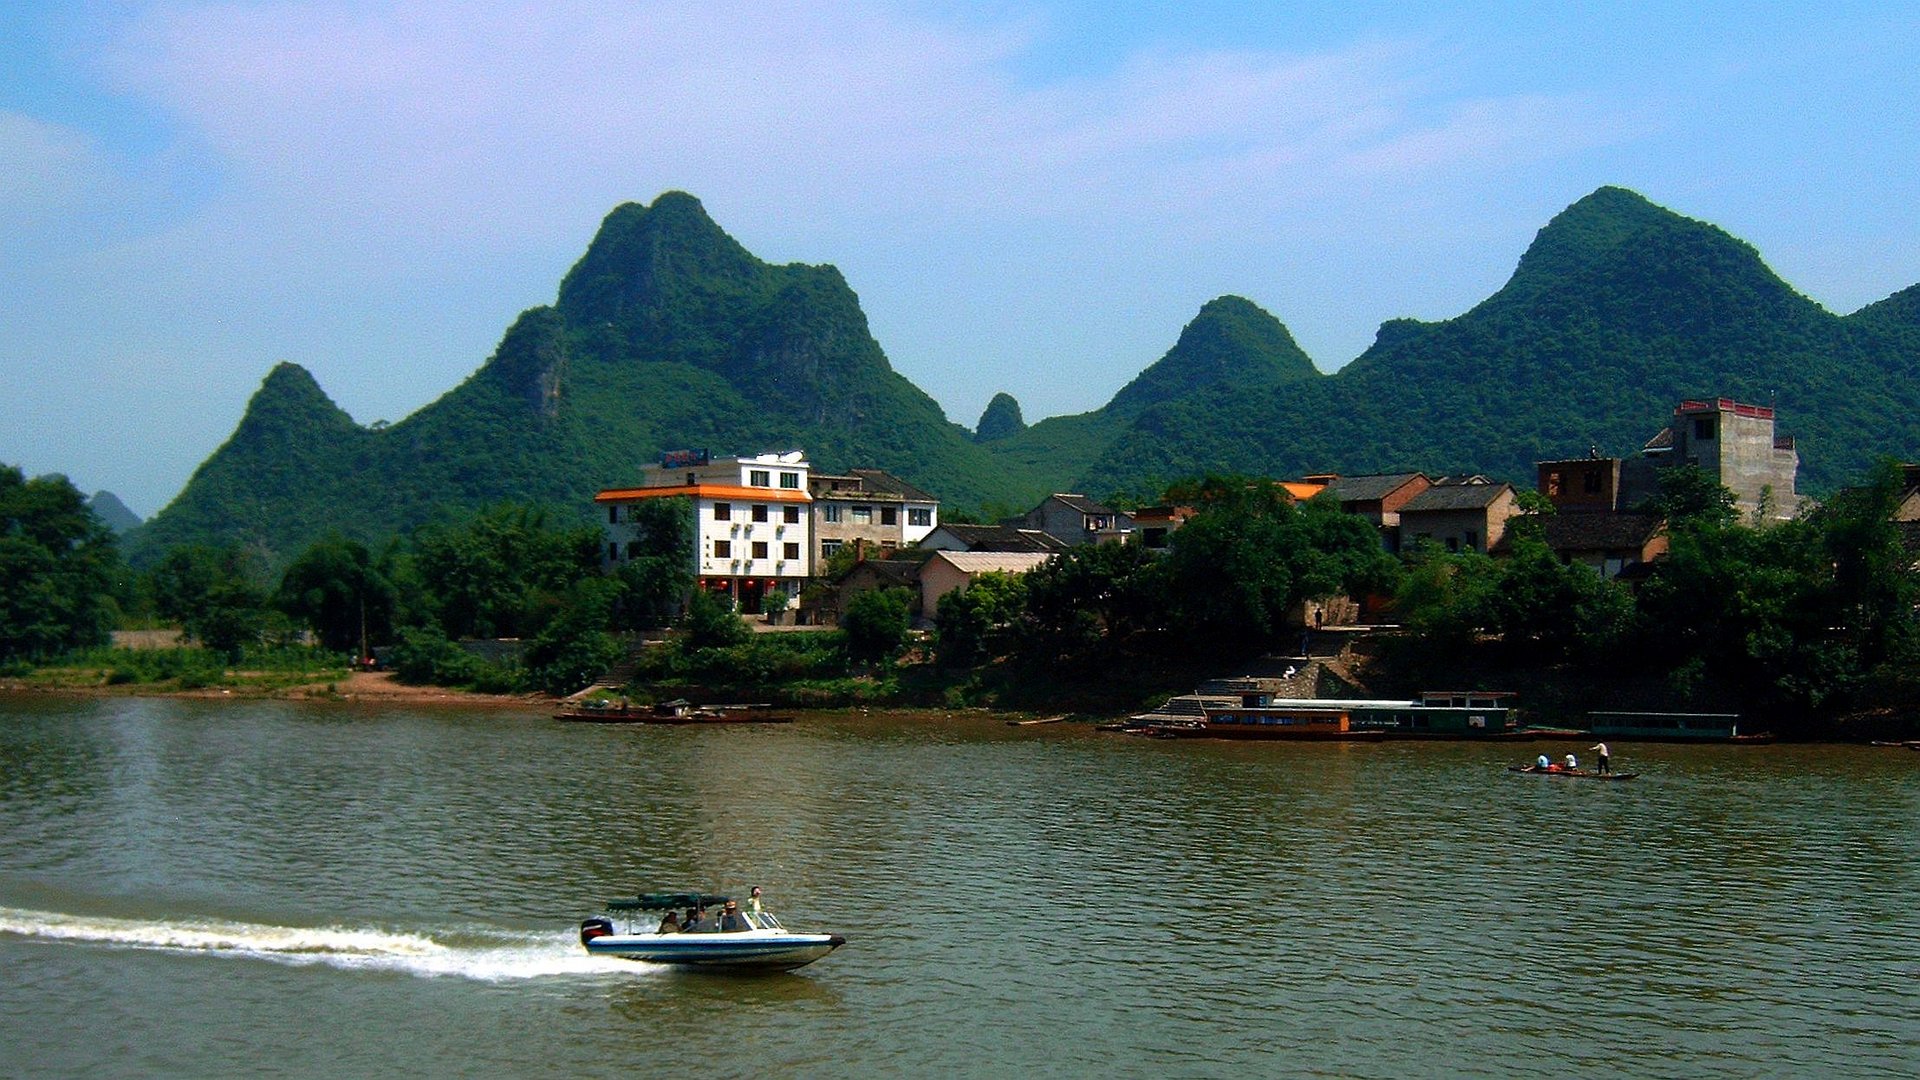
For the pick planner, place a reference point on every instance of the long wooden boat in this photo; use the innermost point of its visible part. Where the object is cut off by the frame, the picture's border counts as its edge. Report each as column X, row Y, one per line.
column 1276, row 722
column 668, row 712
column 1571, row 774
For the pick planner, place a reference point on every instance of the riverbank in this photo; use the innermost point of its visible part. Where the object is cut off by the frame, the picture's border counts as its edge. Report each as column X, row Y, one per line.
column 371, row 687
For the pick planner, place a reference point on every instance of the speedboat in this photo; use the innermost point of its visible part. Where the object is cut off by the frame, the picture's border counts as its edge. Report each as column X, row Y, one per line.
column 740, row 940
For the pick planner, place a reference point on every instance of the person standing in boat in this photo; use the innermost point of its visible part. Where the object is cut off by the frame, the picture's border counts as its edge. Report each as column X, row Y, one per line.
column 753, row 901
column 1601, row 749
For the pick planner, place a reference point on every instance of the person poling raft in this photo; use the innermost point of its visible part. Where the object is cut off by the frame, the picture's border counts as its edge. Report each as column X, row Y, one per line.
column 716, row 934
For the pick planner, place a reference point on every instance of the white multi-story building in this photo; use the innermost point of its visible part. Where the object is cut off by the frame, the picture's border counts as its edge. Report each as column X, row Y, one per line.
column 752, row 520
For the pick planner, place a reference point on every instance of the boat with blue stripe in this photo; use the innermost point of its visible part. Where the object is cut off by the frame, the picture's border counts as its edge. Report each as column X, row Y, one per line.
column 718, row 934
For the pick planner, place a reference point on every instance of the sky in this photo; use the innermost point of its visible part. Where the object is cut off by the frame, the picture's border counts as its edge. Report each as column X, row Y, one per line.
column 1028, row 197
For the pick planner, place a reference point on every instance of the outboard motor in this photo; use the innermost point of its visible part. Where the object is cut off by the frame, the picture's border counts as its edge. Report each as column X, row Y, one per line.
column 595, row 927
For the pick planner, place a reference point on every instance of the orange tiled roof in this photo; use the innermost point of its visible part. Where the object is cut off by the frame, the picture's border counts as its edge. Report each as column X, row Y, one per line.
column 705, row 491
column 1302, row 490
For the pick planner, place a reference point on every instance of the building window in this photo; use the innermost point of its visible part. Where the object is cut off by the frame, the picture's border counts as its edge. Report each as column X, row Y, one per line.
column 613, row 552
column 633, row 549
column 790, row 515
column 889, row 515
column 830, row 512
column 723, row 549
column 863, row 515
column 759, row 478
column 759, row 512
column 613, row 515
column 723, row 511
column 1473, row 541
column 1453, row 543
column 692, row 479
column 790, row 551
column 790, row 481
column 1703, row 428
column 919, row 515
column 1593, row 483
column 1553, row 484
column 829, row 548
column 759, row 549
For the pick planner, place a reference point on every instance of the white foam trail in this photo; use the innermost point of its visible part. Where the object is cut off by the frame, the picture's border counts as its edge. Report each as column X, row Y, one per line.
column 515, row 956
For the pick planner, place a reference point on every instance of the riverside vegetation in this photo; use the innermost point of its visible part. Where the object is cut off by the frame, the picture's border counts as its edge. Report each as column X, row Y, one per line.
column 1803, row 622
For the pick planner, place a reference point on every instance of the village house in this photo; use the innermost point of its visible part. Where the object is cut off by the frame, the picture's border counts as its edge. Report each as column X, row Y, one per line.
column 1076, row 519
column 751, row 520
column 1733, row 442
column 870, row 508
column 1459, row 515
column 948, row 571
column 1378, row 497
column 952, row 536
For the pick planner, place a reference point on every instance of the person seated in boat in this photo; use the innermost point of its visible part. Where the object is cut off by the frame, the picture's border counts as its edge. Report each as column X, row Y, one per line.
column 670, row 924
column 1572, row 764
column 731, row 921
column 695, row 916
column 1543, row 764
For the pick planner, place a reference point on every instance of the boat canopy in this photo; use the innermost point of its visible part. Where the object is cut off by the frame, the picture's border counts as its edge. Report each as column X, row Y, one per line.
column 661, row 901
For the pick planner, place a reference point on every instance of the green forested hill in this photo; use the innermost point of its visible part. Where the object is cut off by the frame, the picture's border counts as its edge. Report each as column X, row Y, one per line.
column 666, row 334
column 1617, row 311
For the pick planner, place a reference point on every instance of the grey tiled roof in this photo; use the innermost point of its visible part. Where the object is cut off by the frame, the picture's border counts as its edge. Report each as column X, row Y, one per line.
column 1002, row 538
column 1082, row 503
column 878, row 480
column 1369, row 488
column 1599, row 532
column 1455, row 497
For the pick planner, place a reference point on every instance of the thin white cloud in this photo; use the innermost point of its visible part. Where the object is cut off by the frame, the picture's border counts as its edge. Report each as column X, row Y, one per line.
column 45, row 171
column 436, row 119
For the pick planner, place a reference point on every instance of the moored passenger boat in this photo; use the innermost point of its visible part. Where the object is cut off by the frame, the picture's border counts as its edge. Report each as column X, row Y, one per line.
column 1673, row 727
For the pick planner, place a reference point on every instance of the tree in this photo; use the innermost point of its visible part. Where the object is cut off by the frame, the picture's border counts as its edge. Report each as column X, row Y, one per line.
column 976, row 623
column 1094, row 593
column 876, row 623
column 58, row 564
column 342, row 597
column 213, row 593
column 657, row 573
column 1690, row 497
column 574, row 648
column 502, row 572
column 711, row 623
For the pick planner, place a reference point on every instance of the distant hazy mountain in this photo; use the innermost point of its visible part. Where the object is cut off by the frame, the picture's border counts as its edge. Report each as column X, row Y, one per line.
column 667, row 333
column 112, row 512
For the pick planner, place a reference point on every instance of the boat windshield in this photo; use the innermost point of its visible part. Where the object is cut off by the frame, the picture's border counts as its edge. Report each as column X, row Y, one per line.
column 764, row 920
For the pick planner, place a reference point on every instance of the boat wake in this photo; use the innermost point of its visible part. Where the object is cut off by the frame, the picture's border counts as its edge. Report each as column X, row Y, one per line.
column 488, row 955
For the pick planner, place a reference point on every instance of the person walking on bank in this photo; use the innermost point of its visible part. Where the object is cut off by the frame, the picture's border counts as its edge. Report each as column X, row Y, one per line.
column 1601, row 749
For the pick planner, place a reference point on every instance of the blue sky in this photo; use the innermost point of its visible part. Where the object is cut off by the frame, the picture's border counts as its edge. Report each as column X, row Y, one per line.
column 1030, row 197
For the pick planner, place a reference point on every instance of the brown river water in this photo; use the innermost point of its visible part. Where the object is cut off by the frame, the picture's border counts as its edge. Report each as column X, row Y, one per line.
column 214, row 888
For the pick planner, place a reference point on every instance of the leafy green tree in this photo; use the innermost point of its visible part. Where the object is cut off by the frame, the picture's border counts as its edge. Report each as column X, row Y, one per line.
column 214, row 594
column 875, row 624
column 1874, row 587
column 502, row 572
column 1554, row 610
column 711, row 622
column 977, row 623
column 657, row 574
column 59, row 568
column 1692, row 498
column 1092, row 595
column 337, row 590
column 574, row 648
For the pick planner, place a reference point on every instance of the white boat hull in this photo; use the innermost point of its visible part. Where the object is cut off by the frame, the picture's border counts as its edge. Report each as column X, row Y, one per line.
column 762, row 950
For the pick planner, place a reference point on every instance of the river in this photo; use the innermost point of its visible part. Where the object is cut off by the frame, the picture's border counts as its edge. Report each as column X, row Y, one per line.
column 195, row 888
